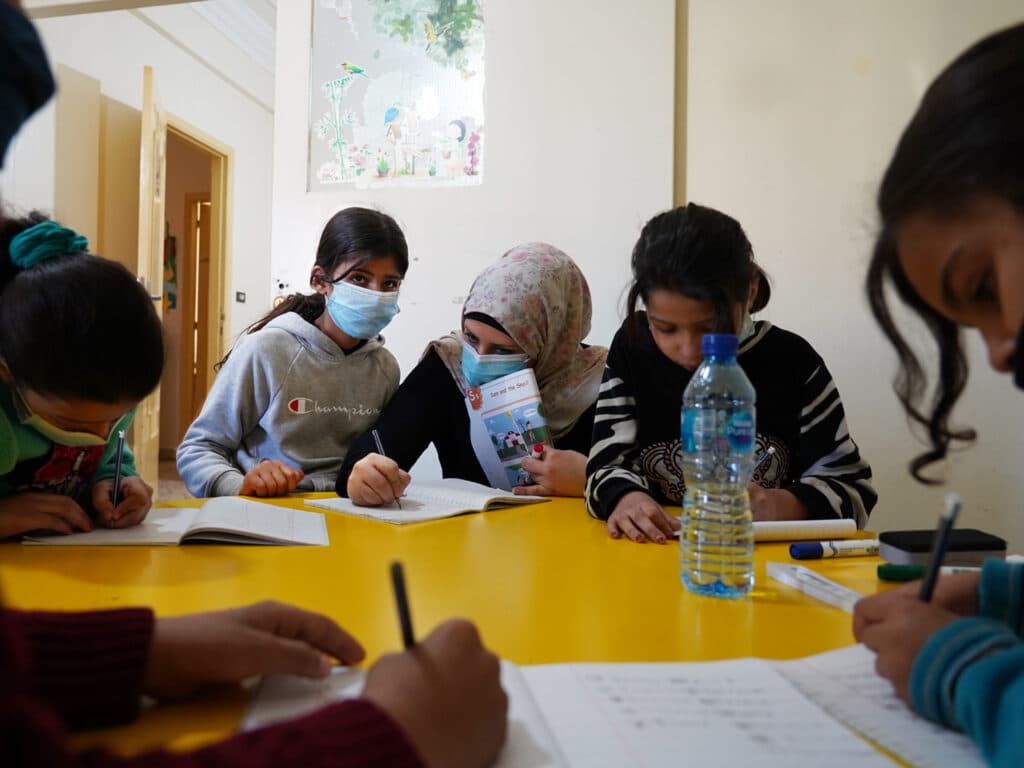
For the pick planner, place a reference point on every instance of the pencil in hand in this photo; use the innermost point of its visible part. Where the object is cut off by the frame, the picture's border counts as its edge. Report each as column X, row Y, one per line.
column 380, row 450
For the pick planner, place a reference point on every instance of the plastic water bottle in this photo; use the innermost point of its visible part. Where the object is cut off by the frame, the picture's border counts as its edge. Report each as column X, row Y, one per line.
column 716, row 543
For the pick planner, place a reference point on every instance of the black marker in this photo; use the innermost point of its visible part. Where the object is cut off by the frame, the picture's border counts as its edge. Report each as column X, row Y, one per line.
column 402, row 601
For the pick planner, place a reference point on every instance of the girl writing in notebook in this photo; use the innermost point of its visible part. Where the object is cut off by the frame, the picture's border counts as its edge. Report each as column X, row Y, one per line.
column 80, row 346
column 693, row 268
column 952, row 245
column 531, row 308
column 309, row 377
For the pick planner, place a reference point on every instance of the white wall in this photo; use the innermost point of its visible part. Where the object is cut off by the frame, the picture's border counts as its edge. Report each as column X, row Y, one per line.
column 113, row 48
column 794, row 110
column 569, row 86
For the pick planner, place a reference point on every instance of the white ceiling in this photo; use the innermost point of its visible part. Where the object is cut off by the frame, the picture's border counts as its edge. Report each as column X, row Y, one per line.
column 247, row 24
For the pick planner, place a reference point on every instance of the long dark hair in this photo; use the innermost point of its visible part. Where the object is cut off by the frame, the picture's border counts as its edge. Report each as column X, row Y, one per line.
column 964, row 143
column 76, row 326
column 352, row 237
column 702, row 254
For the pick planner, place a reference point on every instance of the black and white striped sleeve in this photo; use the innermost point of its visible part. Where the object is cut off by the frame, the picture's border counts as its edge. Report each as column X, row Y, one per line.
column 834, row 480
column 612, row 469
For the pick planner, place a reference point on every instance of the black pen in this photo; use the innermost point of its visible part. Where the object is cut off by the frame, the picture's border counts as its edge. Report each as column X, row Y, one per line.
column 115, row 489
column 402, row 601
column 380, row 450
column 940, row 545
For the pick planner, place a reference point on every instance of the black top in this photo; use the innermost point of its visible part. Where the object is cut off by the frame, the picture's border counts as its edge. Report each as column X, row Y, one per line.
column 430, row 408
column 799, row 413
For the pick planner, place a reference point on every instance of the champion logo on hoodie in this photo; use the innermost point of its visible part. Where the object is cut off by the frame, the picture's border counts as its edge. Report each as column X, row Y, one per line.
column 304, row 405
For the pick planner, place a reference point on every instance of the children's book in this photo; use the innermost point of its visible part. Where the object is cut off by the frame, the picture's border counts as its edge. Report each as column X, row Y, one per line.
column 432, row 500
column 723, row 713
column 506, row 422
column 224, row 520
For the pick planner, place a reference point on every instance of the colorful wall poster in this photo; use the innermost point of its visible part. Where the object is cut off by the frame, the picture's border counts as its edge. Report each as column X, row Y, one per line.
column 397, row 93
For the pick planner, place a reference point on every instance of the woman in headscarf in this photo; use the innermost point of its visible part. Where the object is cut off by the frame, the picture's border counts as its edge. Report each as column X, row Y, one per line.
column 530, row 309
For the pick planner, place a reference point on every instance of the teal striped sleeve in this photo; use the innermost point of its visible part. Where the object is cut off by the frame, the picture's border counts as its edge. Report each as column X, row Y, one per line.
column 970, row 676
column 1001, row 594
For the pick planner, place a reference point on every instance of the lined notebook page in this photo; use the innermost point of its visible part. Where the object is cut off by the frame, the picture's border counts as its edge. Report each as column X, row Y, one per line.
column 431, row 500
column 724, row 714
column 844, row 683
column 164, row 526
column 230, row 518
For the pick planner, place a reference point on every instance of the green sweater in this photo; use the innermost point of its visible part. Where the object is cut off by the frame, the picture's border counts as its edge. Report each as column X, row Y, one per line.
column 30, row 462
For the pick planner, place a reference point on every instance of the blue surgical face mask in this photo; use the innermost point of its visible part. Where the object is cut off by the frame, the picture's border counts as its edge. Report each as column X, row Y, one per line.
column 360, row 312
column 482, row 369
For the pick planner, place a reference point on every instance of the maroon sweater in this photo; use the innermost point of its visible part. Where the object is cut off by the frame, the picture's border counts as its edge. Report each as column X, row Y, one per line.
column 85, row 670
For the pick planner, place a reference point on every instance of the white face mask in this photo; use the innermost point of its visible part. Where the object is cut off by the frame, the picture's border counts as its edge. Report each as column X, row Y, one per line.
column 54, row 433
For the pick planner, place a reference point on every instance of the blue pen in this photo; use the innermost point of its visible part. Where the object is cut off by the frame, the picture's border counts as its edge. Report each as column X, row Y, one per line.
column 939, row 547
column 115, row 489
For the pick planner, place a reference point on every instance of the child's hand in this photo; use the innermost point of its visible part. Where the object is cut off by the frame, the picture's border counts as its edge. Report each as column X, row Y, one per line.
column 376, row 480
column 136, row 499
column 446, row 695
column 957, row 593
column 270, row 478
column 556, row 473
column 897, row 630
column 229, row 646
column 24, row 512
column 774, row 504
column 641, row 518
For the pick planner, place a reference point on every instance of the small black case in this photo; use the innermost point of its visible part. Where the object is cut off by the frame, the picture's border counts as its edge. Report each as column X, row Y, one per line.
column 967, row 546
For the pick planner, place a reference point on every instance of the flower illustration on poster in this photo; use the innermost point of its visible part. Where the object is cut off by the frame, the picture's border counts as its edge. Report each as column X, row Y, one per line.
column 397, row 93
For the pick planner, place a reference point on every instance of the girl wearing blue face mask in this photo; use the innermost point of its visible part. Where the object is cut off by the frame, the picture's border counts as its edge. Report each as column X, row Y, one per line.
column 80, row 346
column 309, row 377
column 531, row 308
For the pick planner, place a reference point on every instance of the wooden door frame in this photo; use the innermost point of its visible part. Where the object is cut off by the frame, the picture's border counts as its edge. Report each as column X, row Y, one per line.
column 187, row 304
column 222, row 160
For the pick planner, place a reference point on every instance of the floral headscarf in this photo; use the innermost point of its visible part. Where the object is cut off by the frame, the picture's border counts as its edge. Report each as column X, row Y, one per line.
column 542, row 300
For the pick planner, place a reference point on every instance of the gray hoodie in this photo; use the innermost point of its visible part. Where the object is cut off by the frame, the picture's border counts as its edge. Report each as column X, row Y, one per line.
column 289, row 393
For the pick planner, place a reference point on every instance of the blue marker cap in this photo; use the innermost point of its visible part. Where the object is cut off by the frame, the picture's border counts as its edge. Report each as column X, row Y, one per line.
column 806, row 551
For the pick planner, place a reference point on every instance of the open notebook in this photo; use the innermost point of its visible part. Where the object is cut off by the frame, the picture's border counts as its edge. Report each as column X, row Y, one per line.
column 724, row 713
column 432, row 500
column 228, row 520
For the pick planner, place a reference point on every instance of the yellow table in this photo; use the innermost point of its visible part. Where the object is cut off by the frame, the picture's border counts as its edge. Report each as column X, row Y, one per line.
column 544, row 583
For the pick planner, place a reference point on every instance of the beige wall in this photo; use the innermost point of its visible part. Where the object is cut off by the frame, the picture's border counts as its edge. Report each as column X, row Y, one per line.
column 794, row 107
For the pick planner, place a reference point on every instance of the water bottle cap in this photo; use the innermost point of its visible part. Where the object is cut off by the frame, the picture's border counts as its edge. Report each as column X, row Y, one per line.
column 720, row 345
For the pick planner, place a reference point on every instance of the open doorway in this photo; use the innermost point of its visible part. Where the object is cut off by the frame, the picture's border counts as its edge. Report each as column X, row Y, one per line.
column 186, row 287
column 193, row 307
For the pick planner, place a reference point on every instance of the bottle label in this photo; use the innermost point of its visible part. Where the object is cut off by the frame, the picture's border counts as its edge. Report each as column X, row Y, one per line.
column 689, row 420
column 739, row 431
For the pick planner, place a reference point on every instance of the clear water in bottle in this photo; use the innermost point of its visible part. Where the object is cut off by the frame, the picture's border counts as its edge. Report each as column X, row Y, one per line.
column 716, row 543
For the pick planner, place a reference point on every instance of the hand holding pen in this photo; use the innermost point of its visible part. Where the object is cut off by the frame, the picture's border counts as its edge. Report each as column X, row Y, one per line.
column 121, row 501
column 897, row 623
column 376, row 480
column 444, row 691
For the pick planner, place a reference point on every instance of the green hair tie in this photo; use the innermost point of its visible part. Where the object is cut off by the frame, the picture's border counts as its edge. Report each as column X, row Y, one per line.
column 43, row 241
